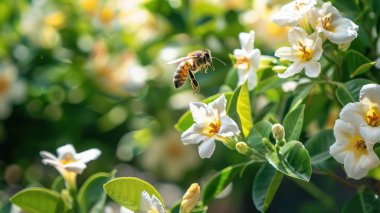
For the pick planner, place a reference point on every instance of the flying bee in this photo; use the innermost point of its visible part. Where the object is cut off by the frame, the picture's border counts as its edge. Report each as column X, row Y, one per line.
column 191, row 64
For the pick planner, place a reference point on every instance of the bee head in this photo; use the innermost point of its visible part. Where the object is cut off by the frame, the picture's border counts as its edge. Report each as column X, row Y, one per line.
column 208, row 58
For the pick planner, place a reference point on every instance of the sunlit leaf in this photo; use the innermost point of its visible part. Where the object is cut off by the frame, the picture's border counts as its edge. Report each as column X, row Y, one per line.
column 356, row 63
column 265, row 186
column 301, row 93
column 126, row 191
column 292, row 160
column 244, row 109
column 293, row 123
column 39, row 200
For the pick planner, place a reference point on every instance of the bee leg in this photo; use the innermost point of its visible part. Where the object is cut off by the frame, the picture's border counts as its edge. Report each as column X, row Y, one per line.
column 194, row 83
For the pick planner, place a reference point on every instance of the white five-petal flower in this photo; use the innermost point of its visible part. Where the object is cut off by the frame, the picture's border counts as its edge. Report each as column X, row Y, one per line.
column 332, row 25
column 305, row 52
column 352, row 150
column 211, row 122
column 247, row 60
column 148, row 204
column 293, row 13
column 69, row 163
column 366, row 113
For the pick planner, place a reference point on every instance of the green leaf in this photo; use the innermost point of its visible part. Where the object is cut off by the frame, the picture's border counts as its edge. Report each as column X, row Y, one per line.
column 186, row 120
column 244, row 109
column 259, row 131
column 58, row 184
column 362, row 69
column 293, row 122
column 364, row 201
column 39, row 200
column 356, row 63
column 126, row 191
column 292, row 160
column 349, row 92
column 220, row 181
column 319, row 145
column 265, row 187
column 91, row 196
column 301, row 93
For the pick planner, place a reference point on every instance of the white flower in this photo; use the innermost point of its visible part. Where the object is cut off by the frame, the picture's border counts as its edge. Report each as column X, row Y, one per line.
column 247, row 60
column 292, row 13
column 69, row 163
column 351, row 149
column 12, row 90
column 366, row 113
column 305, row 52
column 331, row 24
column 150, row 204
column 211, row 122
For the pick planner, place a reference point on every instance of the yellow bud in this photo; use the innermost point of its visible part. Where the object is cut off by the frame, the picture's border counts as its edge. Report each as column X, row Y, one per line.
column 279, row 69
column 278, row 132
column 243, row 148
column 190, row 199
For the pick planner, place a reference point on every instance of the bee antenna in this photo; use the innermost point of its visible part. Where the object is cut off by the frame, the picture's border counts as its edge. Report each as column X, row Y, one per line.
column 220, row 61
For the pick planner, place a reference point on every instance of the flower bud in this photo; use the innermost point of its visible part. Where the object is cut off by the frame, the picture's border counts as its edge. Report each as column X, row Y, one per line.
column 243, row 148
column 268, row 145
column 344, row 47
column 190, row 199
column 278, row 132
column 267, row 61
column 279, row 69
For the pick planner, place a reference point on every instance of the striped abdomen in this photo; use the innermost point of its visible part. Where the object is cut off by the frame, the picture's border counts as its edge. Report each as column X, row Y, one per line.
column 181, row 73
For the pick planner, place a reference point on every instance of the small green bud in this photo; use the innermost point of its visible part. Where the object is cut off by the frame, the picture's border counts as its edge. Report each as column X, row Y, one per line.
column 243, row 148
column 268, row 145
column 267, row 61
column 279, row 69
column 278, row 132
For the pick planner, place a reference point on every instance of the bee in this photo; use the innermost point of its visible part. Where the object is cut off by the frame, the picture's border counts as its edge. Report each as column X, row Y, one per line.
column 190, row 65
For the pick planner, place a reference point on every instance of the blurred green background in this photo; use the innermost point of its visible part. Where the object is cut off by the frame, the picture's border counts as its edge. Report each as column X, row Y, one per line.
column 93, row 73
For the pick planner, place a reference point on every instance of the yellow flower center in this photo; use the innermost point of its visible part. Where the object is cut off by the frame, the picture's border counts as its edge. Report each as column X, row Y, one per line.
column 55, row 20
column 4, row 85
column 214, row 128
column 106, row 15
column 305, row 52
column 243, row 60
column 68, row 158
column 373, row 117
column 357, row 146
column 326, row 22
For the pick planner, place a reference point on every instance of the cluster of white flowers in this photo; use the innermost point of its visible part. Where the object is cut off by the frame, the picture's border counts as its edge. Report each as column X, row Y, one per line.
column 356, row 133
column 306, row 49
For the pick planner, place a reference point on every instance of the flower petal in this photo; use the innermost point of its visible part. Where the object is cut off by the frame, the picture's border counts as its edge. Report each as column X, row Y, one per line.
column 343, row 131
column 242, row 76
column 145, row 201
column 312, row 69
column 66, row 149
column 293, row 69
column 219, row 105
column 48, row 155
column 344, row 31
column 207, row 148
column 54, row 163
column 296, row 35
column 287, row 53
column 352, row 168
column 252, row 79
column 370, row 134
column 337, row 151
column 254, row 58
column 199, row 111
column 156, row 203
column 354, row 113
column 247, row 40
column 372, row 92
column 228, row 127
column 194, row 135
column 88, row 155
column 76, row 167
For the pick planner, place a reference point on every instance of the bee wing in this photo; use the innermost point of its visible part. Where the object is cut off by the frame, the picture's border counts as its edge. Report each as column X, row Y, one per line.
column 178, row 60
